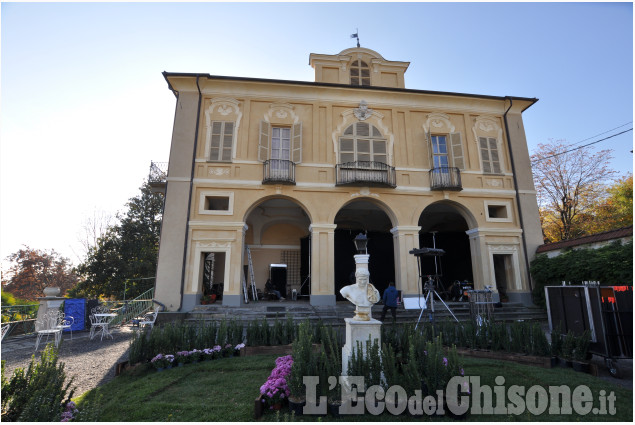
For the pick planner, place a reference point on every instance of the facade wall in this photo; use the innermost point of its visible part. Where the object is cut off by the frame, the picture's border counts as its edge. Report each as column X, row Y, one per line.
column 194, row 224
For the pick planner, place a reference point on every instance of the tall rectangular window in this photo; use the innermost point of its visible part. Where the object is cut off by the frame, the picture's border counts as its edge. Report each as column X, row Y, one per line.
column 440, row 151
column 489, row 155
column 221, row 141
column 280, row 143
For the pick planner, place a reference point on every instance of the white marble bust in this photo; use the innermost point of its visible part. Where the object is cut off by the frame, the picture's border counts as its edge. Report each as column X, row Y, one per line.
column 362, row 293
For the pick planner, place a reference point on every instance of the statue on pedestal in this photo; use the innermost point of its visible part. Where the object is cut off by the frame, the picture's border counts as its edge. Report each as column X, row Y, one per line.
column 362, row 293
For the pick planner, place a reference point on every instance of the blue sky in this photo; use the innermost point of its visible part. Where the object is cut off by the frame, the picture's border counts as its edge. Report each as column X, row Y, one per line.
column 84, row 106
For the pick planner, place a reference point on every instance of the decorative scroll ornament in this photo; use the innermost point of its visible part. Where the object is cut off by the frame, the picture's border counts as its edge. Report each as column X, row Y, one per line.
column 225, row 110
column 363, row 112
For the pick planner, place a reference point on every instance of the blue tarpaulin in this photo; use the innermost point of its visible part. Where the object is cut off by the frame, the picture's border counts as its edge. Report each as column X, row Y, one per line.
column 77, row 309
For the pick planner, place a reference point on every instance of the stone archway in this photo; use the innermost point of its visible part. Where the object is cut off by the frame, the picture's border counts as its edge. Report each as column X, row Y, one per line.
column 368, row 217
column 276, row 229
column 444, row 224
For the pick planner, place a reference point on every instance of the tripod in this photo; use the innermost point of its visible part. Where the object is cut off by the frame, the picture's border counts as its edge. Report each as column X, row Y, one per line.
column 428, row 287
column 430, row 292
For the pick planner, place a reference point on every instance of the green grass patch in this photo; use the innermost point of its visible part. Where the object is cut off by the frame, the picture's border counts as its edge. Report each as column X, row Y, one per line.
column 225, row 389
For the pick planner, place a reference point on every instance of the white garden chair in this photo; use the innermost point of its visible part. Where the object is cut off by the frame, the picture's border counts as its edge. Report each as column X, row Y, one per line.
column 149, row 319
column 48, row 325
column 66, row 322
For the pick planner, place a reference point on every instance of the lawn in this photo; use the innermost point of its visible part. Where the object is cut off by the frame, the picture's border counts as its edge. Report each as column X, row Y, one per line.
column 225, row 389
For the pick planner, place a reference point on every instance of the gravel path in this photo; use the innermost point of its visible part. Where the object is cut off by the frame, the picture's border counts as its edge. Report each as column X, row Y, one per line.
column 92, row 363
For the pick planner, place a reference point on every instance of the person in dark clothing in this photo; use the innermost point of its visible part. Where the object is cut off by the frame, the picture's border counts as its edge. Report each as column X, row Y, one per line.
column 390, row 302
column 269, row 288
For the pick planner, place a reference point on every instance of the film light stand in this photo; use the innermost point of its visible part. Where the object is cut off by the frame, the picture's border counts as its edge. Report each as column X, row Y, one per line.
column 429, row 285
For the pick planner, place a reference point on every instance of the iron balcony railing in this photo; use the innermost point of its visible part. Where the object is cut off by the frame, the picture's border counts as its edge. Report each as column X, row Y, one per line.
column 445, row 178
column 368, row 173
column 158, row 172
column 278, row 171
column 158, row 177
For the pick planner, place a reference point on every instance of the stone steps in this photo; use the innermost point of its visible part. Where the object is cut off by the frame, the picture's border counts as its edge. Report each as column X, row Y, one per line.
column 335, row 314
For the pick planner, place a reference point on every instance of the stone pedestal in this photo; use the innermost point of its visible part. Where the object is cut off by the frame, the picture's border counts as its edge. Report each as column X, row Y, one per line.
column 362, row 332
column 51, row 302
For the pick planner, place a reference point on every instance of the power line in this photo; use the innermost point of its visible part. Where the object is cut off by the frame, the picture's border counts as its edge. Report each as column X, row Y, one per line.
column 583, row 146
column 607, row 131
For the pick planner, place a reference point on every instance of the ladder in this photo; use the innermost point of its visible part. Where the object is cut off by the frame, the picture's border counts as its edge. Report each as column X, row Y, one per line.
column 252, row 280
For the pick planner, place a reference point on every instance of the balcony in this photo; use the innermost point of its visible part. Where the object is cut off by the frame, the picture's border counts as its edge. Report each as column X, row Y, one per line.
column 279, row 171
column 158, row 177
column 365, row 173
column 445, row 178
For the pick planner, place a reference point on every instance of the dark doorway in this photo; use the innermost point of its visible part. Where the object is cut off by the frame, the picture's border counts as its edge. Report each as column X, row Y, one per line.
column 456, row 264
column 502, row 272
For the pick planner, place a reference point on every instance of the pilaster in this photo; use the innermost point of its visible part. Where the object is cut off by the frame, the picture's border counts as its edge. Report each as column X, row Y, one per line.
column 405, row 239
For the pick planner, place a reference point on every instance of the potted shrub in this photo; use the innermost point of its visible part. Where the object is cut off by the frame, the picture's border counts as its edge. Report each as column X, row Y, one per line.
column 568, row 347
column 303, row 359
column 580, row 353
column 556, row 345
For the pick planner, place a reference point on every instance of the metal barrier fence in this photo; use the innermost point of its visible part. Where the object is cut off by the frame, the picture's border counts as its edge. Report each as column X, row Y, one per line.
column 20, row 319
column 134, row 308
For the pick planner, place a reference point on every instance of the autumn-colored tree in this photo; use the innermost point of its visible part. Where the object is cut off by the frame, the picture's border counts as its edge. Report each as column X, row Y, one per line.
column 568, row 181
column 617, row 209
column 32, row 270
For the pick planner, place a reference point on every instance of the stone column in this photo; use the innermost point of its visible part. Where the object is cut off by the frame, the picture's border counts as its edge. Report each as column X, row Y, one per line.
column 322, row 264
column 405, row 239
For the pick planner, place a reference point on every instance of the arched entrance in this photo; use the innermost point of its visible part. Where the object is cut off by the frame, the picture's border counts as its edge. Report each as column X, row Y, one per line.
column 366, row 217
column 443, row 225
column 277, row 231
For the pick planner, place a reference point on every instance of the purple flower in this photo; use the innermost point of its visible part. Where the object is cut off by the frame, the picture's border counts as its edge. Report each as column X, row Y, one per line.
column 445, row 361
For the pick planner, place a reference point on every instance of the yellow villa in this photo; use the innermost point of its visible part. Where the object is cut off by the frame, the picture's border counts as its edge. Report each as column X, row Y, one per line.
column 273, row 179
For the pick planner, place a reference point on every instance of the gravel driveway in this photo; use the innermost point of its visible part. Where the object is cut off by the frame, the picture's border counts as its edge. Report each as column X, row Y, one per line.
column 92, row 363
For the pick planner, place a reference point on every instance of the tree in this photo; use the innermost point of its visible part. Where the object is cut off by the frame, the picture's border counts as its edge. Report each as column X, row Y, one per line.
column 94, row 228
column 568, row 183
column 125, row 257
column 617, row 209
column 32, row 270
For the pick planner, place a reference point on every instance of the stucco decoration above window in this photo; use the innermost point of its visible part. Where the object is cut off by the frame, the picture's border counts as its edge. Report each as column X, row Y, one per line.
column 222, row 108
column 362, row 112
column 281, row 113
column 437, row 122
column 373, row 118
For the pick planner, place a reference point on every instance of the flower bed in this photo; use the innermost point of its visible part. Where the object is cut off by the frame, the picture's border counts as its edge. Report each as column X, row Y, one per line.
column 162, row 361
